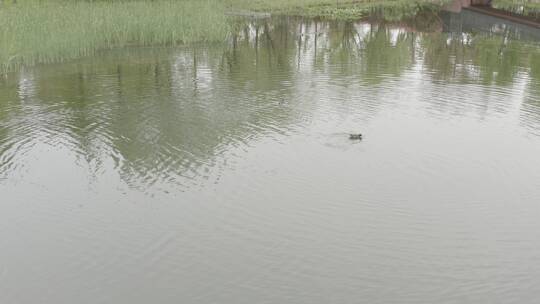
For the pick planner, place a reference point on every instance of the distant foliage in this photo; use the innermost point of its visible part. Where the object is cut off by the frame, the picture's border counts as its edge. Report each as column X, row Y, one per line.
column 529, row 8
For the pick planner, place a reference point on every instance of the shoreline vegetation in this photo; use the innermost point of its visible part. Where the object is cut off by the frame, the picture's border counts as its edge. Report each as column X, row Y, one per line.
column 38, row 32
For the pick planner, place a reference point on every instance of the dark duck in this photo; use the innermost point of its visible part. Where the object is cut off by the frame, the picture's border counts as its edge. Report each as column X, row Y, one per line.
column 355, row 136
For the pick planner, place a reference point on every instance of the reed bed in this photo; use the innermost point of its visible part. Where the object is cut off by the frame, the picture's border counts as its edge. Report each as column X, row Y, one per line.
column 37, row 32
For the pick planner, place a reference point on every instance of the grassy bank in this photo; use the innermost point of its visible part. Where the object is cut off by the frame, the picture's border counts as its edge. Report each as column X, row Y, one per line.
column 51, row 31
column 34, row 31
column 530, row 8
column 340, row 9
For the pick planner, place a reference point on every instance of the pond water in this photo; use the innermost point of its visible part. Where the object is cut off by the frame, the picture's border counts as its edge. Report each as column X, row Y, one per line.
column 225, row 173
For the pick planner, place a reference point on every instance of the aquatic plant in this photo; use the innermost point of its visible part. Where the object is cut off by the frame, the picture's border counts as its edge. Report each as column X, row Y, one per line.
column 34, row 32
column 52, row 31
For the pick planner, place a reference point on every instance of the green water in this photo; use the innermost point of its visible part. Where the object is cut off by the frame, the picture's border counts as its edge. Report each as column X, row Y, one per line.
column 225, row 173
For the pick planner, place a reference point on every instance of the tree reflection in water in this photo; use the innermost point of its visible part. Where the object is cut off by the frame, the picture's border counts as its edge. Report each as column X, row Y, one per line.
column 168, row 115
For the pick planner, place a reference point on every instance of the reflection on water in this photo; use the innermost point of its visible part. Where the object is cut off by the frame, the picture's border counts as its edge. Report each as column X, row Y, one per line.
column 225, row 174
column 470, row 21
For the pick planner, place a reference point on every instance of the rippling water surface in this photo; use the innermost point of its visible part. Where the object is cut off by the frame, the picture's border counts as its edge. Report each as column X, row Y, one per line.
column 224, row 173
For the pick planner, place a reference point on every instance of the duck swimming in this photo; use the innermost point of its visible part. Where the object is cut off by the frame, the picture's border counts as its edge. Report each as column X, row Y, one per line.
column 357, row 136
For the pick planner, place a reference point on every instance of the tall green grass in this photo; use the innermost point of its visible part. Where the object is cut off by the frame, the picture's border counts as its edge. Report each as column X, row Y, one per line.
column 45, row 31
column 35, row 32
